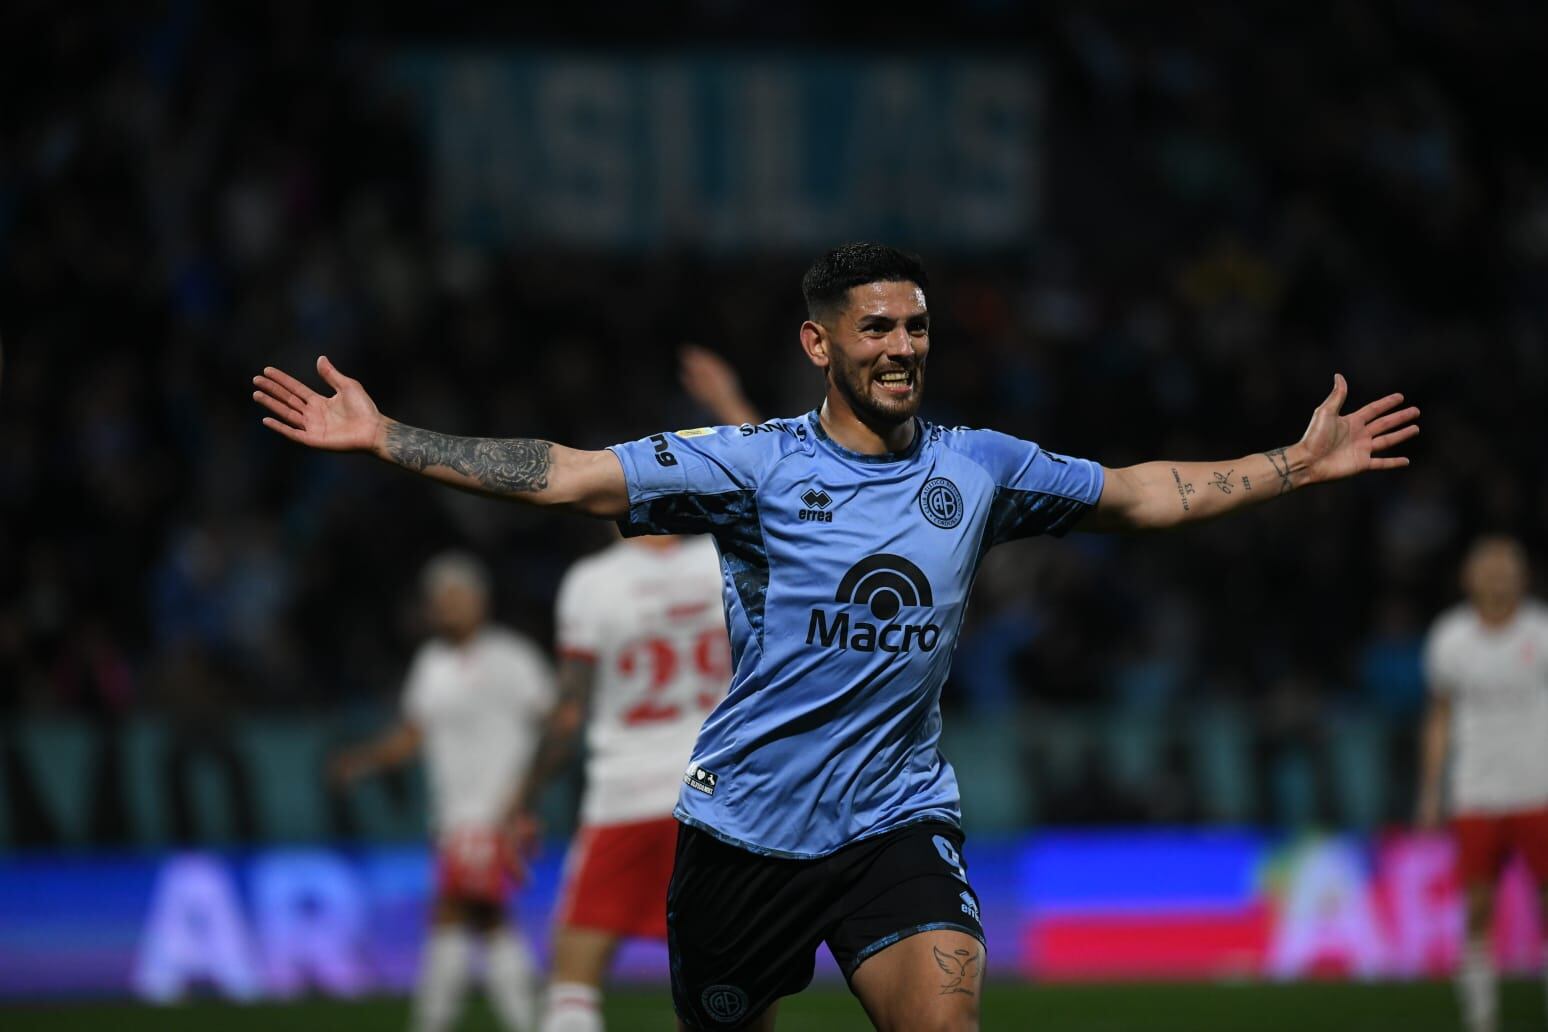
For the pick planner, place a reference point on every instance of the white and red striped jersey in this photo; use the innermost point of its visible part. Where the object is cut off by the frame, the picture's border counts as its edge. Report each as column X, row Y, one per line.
column 651, row 620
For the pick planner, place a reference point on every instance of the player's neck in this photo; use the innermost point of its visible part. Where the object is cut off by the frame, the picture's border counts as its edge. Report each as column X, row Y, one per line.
column 463, row 636
column 1496, row 617
column 849, row 431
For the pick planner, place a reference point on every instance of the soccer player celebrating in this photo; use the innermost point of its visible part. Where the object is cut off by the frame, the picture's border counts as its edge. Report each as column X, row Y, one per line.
column 475, row 697
column 1486, row 661
column 816, row 806
column 643, row 657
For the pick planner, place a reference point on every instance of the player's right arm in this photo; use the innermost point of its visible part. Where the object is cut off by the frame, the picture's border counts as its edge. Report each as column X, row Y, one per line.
column 1435, row 740
column 556, row 747
column 527, row 470
column 561, row 731
column 393, row 748
column 1435, row 733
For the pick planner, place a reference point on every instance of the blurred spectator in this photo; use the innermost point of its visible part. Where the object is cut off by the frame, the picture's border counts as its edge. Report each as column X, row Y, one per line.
column 189, row 193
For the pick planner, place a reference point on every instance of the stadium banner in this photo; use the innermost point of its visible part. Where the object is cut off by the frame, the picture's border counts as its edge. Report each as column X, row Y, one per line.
column 718, row 151
column 1147, row 904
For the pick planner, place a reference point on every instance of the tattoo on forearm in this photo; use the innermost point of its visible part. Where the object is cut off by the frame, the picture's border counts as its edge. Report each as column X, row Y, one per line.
column 1246, row 482
column 1184, row 489
column 1281, row 464
column 1222, row 481
column 505, row 465
column 961, row 967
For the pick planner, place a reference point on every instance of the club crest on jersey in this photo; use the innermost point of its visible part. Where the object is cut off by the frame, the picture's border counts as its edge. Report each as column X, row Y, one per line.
column 886, row 584
column 941, row 502
column 699, row 779
column 817, row 506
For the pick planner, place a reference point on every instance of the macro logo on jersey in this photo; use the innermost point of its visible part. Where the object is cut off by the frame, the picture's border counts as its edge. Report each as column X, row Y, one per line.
column 887, row 585
column 941, row 502
column 817, row 501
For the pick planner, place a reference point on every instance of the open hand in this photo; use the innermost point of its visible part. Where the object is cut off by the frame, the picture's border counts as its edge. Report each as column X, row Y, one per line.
column 524, row 832
column 1337, row 446
column 346, row 421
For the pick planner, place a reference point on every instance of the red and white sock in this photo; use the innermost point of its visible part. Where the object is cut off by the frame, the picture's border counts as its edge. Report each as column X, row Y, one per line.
column 572, row 1007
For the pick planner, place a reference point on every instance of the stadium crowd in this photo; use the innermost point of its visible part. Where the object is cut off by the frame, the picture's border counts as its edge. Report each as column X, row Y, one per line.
column 1231, row 209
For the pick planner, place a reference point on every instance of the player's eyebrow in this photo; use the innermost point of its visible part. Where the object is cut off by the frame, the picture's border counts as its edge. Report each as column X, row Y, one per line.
column 882, row 321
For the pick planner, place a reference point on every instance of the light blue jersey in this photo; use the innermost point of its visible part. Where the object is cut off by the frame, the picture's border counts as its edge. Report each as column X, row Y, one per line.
column 846, row 580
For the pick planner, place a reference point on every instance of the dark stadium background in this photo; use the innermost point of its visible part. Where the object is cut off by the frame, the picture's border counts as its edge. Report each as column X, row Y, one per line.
column 1223, row 205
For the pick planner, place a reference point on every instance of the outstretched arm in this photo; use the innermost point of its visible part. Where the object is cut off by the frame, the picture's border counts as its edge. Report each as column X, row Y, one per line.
column 525, row 470
column 1154, row 495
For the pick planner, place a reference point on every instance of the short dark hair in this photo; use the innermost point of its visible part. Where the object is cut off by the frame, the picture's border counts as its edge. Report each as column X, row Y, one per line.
column 826, row 284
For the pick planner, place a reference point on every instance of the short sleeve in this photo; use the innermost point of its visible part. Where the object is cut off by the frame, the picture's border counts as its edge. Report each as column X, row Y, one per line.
column 528, row 677
column 1035, row 491
column 1439, row 677
column 692, row 481
column 577, row 616
column 415, row 703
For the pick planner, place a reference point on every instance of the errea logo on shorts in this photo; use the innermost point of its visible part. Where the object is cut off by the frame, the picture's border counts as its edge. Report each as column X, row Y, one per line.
column 696, row 777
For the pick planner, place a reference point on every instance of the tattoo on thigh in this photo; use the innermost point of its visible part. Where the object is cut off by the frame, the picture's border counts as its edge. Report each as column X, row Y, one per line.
column 960, row 966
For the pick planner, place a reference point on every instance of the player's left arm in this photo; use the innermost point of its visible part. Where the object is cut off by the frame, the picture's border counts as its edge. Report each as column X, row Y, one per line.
column 1156, row 495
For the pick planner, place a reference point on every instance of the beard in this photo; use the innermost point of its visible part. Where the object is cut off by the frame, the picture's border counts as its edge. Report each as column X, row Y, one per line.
column 872, row 404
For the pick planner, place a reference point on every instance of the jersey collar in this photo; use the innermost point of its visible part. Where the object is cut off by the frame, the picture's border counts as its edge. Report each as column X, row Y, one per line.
column 902, row 456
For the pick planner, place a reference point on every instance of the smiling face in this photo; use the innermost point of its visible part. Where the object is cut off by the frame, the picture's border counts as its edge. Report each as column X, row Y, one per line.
column 873, row 348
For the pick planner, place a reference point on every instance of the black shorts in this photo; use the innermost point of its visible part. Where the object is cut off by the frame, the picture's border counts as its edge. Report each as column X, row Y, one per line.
column 743, row 929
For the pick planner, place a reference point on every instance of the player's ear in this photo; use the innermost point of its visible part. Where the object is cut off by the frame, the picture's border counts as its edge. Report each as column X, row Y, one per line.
column 814, row 341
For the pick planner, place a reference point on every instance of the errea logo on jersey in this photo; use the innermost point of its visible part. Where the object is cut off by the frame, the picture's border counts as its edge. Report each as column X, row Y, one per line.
column 817, row 501
column 886, row 584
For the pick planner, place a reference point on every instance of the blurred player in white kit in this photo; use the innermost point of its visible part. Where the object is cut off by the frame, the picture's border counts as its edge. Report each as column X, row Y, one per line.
column 1486, row 663
column 643, row 658
column 474, row 701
